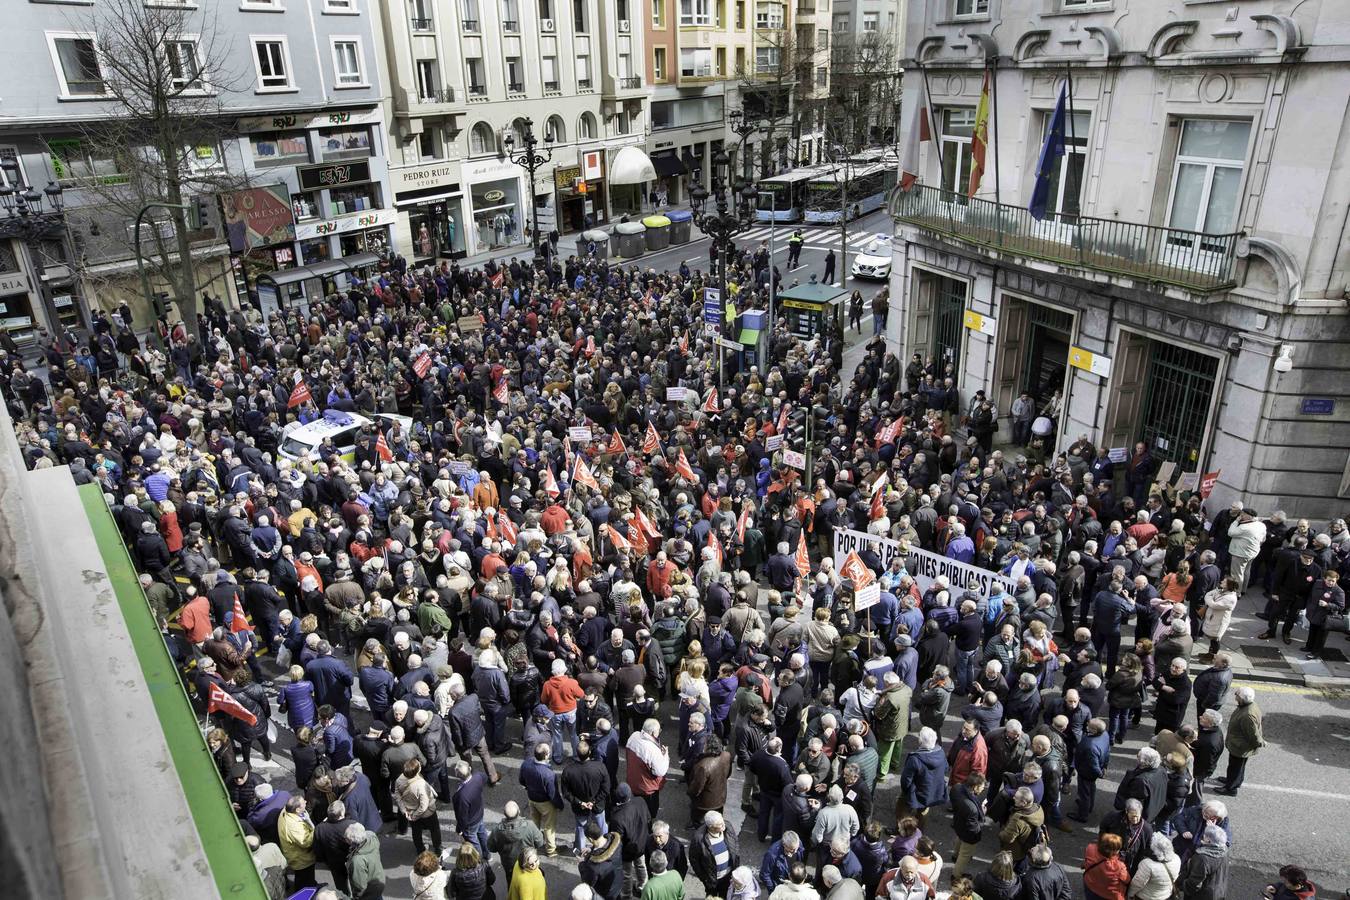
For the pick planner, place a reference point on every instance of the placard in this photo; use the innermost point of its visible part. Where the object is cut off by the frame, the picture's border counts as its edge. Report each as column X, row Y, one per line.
column 580, row 434
column 924, row 567
column 675, row 394
column 468, row 323
column 1118, row 454
column 459, row 467
column 773, row 442
column 795, row 459
column 1188, row 481
column 866, row 597
column 1166, row 471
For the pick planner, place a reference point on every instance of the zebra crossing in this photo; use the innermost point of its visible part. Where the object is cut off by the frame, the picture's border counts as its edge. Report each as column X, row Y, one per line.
column 818, row 237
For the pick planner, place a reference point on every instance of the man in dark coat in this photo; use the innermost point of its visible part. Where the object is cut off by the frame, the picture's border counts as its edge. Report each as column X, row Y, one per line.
column 1208, row 747
column 330, row 842
column 1211, row 686
column 714, row 852
column 1044, row 879
column 584, row 784
column 1146, row 782
column 631, row 819
column 466, row 730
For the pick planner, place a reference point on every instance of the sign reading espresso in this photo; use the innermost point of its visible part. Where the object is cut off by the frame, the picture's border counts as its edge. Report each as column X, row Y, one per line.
column 330, row 175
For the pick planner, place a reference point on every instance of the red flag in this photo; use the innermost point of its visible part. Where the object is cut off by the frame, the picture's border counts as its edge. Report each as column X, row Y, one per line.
column 652, row 442
column 239, row 621
column 506, row 528
column 920, row 131
column 502, row 392
column 646, row 524
column 640, row 544
column 382, row 449
column 497, row 279
column 716, row 545
column 550, row 483
column 422, row 365
column 684, row 343
column 616, row 444
column 684, row 470
column 583, row 475
column 878, row 504
column 590, row 346
column 740, row 523
column 803, row 558
column 490, row 529
column 856, row 571
column 781, row 427
column 220, row 700
column 618, row 540
column 712, row 405
column 889, row 433
column 1207, row 483
column 299, row 395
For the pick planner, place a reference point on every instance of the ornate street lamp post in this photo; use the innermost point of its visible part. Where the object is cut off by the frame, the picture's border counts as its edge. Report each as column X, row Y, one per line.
column 32, row 216
column 531, row 158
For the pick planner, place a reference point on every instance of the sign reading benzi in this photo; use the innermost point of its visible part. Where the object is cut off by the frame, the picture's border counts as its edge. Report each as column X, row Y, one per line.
column 924, row 567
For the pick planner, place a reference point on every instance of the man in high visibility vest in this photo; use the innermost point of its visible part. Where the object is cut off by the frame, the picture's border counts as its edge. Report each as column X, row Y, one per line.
column 795, row 248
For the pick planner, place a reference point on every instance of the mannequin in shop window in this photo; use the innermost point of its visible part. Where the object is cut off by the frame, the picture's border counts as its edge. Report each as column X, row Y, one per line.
column 424, row 241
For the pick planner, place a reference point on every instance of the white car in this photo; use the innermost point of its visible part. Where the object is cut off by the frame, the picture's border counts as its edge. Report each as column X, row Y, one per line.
column 874, row 260
column 341, row 426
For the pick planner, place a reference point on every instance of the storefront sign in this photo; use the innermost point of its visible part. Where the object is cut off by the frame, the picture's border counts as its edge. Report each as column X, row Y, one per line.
column 1090, row 362
column 983, row 324
column 13, row 283
column 372, row 219
column 420, row 177
column 322, row 120
column 313, row 178
column 566, row 176
column 591, row 165
column 257, row 217
column 488, row 169
column 924, row 567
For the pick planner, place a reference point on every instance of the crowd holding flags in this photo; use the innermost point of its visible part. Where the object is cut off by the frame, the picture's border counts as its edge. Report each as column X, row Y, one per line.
column 422, row 365
column 583, row 475
column 299, row 395
column 652, row 442
column 220, row 700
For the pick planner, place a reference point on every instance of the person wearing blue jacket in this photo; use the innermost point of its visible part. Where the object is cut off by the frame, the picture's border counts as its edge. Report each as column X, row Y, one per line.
column 332, row 679
column 378, row 685
column 297, row 701
column 337, row 736
column 1091, row 757
column 923, row 780
column 778, row 860
column 541, row 788
column 1111, row 609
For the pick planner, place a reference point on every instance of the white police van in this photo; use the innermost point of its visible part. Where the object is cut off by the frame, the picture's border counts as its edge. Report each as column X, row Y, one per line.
column 342, row 427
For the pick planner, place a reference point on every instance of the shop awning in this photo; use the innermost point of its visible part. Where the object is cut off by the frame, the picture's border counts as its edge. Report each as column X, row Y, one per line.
column 288, row 276
column 668, row 164
column 631, row 165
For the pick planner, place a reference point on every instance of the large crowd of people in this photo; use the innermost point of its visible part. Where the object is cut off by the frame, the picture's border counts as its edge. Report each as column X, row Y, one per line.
column 642, row 594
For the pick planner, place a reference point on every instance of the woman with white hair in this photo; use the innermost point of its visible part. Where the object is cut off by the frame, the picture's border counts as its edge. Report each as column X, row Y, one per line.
column 1205, row 876
column 1158, row 871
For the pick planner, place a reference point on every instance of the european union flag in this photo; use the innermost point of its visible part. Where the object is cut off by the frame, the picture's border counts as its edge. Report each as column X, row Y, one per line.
column 1051, row 152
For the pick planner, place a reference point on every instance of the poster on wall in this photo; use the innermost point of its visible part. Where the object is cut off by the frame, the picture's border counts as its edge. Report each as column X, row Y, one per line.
column 257, row 217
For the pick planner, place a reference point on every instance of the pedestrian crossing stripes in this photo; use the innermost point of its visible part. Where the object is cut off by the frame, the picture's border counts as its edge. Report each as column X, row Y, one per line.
column 822, row 236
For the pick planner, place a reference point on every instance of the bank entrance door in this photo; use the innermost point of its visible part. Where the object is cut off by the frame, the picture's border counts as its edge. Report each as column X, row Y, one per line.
column 937, row 319
column 1163, row 394
column 1033, row 351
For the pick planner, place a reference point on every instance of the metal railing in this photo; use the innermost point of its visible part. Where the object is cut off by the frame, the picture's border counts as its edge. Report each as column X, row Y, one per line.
column 471, row 25
column 440, row 95
column 423, row 25
column 630, row 83
column 1189, row 259
column 478, row 90
column 583, row 84
column 551, row 86
column 515, row 87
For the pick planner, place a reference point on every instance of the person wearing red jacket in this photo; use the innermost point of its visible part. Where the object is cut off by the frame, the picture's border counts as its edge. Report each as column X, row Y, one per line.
column 968, row 754
column 560, row 694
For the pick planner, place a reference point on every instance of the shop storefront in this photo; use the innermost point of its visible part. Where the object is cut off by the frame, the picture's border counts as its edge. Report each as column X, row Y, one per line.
column 16, row 304
column 570, row 195
column 431, row 212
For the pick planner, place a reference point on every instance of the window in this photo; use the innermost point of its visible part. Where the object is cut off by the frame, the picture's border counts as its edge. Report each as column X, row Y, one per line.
column 957, row 127
column 822, row 77
column 1207, row 178
column 345, row 143
column 305, row 205
column 740, row 59
column 621, row 10
column 579, row 16
column 419, row 11
column 77, row 66
column 659, row 63
column 871, row 21
column 184, row 66
column 767, row 59
column 549, row 68
column 510, row 16
column 740, row 15
column 469, row 11
column 347, row 63
column 339, row 6
column 695, row 12
column 428, row 79
column 625, row 66
column 721, row 66
column 584, row 72
column 972, row 7
column 658, row 13
column 72, row 160
column 515, row 75
column 1066, row 181
column 477, row 86
column 482, row 141
column 546, row 9
column 696, row 62
column 279, row 148
column 555, row 129
column 273, row 59
column 840, row 24
column 260, row 4
column 769, row 15
column 429, row 142
column 1085, row 4
column 822, row 38
column 586, row 127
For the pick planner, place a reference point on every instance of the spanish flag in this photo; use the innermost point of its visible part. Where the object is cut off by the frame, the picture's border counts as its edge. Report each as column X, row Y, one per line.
column 979, row 141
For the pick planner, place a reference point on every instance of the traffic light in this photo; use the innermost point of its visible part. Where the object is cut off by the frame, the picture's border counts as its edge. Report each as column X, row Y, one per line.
column 160, row 302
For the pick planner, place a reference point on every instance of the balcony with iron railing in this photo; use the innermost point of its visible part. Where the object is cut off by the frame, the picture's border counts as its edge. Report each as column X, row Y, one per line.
column 471, row 26
column 422, row 25
column 510, row 26
column 436, row 95
column 1193, row 260
column 631, row 83
column 552, row 87
column 515, row 87
column 584, row 84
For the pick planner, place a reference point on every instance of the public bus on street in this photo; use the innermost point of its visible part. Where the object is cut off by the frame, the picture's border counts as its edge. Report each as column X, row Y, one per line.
column 868, row 185
column 788, row 195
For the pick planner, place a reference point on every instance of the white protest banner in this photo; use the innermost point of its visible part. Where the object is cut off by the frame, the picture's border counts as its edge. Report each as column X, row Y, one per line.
column 580, row 434
column 795, row 459
column 924, row 567
column 459, row 467
column 675, row 394
column 867, row 597
column 773, row 442
column 1118, row 454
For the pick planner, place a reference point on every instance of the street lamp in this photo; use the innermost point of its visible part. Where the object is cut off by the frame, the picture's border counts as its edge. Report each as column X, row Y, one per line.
column 531, row 158
column 32, row 216
column 743, row 126
column 731, row 214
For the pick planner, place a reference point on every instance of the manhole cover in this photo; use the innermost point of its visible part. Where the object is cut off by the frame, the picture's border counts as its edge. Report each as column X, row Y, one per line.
column 1268, row 656
column 1331, row 655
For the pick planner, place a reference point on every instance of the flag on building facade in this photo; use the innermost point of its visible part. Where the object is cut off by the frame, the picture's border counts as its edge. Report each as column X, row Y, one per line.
column 1052, row 151
column 920, row 131
column 979, row 140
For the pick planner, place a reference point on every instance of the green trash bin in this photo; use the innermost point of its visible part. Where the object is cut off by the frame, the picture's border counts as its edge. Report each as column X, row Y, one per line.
column 658, row 232
column 628, row 239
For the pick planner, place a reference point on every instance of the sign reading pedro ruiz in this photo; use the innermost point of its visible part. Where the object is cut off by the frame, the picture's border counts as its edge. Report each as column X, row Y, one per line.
column 924, row 567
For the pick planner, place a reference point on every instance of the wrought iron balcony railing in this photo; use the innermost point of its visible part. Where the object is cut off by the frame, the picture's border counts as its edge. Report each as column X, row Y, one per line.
column 1189, row 259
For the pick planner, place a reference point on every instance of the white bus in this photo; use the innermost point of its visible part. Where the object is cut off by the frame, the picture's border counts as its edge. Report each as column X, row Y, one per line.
column 867, row 185
column 788, row 196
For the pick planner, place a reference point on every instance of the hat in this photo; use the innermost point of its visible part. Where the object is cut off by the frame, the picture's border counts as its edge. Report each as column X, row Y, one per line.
column 904, row 641
column 222, row 577
column 542, row 711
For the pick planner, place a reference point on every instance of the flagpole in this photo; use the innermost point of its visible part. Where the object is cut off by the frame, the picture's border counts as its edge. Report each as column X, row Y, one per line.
column 932, row 127
column 1073, row 139
column 993, row 97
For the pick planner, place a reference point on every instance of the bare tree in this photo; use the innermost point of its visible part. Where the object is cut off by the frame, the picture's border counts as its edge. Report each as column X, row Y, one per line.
column 864, row 91
column 161, row 135
column 771, row 94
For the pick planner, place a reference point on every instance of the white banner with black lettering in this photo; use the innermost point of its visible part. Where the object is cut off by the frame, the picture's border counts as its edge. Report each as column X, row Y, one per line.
column 924, row 567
